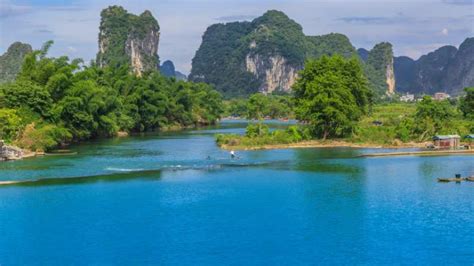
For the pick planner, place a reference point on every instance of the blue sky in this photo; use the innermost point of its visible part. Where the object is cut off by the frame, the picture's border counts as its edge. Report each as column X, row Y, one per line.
column 413, row 27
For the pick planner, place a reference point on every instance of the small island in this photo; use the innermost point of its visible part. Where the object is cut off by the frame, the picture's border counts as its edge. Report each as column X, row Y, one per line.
column 336, row 108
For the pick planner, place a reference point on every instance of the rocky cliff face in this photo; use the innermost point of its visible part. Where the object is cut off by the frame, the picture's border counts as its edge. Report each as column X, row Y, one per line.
column 390, row 77
column 431, row 69
column 127, row 39
column 264, row 55
column 460, row 71
column 446, row 69
column 11, row 60
column 379, row 69
column 274, row 71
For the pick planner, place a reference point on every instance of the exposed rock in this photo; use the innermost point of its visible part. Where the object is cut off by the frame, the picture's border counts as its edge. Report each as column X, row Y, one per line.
column 10, row 152
column 390, row 77
column 127, row 39
column 11, row 60
column 277, row 74
column 122, row 134
column 379, row 69
column 264, row 55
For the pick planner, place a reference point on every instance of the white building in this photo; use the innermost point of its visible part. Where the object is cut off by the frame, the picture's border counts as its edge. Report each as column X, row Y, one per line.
column 407, row 98
column 439, row 96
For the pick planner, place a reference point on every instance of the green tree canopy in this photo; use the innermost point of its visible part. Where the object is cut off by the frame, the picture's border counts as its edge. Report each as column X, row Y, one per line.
column 331, row 95
column 467, row 103
column 432, row 117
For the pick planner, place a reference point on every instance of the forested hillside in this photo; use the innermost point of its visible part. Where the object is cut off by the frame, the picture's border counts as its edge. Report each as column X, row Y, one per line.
column 241, row 58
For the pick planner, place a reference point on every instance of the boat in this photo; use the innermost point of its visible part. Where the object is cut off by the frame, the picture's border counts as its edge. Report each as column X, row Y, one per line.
column 450, row 179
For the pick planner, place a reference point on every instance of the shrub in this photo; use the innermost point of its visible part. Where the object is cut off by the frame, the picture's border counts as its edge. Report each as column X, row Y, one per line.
column 44, row 137
column 10, row 124
column 256, row 130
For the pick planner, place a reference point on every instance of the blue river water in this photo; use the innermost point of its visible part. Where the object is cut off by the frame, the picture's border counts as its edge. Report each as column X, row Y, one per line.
column 159, row 200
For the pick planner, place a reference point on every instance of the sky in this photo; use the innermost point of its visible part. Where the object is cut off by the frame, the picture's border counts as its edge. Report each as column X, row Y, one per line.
column 414, row 27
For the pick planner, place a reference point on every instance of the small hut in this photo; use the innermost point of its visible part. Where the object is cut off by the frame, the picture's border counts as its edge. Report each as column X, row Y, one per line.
column 446, row 141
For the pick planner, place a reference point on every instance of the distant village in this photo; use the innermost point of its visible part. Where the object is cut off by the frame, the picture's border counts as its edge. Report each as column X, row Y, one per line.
column 439, row 96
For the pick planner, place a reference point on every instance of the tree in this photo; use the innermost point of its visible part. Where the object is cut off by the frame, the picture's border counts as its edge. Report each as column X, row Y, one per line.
column 10, row 124
column 25, row 93
column 55, row 100
column 257, row 106
column 467, row 103
column 432, row 116
column 331, row 95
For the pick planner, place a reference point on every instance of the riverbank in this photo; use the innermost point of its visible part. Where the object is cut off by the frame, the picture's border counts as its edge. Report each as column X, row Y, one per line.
column 421, row 153
column 323, row 144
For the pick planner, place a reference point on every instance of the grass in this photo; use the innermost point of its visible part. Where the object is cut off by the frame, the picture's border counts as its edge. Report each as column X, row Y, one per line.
column 391, row 132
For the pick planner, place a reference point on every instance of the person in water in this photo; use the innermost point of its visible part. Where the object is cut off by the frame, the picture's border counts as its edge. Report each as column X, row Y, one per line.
column 232, row 154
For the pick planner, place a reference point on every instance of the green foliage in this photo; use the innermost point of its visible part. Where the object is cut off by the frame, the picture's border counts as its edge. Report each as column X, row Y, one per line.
column 329, row 44
column 221, row 58
column 331, row 95
column 259, row 135
column 10, row 124
column 399, row 124
column 259, row 106
column 236, row 107
column 25, row 93
column 433, row 117
column 256, row 130
column 116, row 27
column 376, row 67
column 276, row 33
column 43, row 138
column 467, row 103
column 60, row 100
column 395, row 121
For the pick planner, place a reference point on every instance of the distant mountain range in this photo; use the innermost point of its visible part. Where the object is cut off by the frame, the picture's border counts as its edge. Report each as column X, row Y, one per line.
column 240, row 58
column 447, row 69
column 266, row 54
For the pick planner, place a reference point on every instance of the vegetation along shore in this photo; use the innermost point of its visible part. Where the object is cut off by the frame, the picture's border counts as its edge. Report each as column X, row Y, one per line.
column 335, row 107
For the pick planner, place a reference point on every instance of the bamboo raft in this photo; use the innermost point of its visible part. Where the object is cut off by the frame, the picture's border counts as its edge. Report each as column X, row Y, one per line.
column 458, row 180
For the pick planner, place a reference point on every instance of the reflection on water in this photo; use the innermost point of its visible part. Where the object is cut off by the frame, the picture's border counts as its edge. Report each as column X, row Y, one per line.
column 151, row 174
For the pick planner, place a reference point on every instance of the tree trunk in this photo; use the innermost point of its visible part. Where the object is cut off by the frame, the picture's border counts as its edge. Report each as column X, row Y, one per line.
column 325, row 134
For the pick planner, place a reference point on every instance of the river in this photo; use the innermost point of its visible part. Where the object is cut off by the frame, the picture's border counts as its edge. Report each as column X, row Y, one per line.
column 177, row 199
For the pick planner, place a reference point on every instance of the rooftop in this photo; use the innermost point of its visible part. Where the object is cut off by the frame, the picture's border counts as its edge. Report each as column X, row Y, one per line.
column 441, row 137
